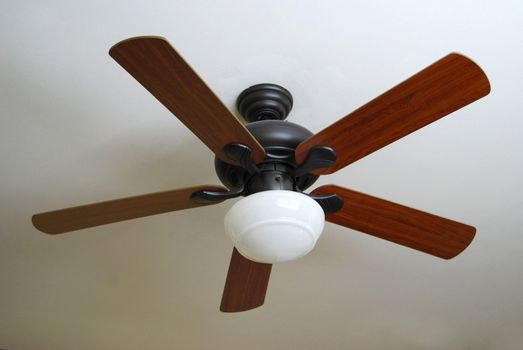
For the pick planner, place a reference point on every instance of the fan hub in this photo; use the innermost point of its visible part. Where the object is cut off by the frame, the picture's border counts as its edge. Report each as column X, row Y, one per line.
column 279, row 139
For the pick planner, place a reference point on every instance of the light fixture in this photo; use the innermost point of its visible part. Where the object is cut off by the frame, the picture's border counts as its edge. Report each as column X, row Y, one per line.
column 275, row 226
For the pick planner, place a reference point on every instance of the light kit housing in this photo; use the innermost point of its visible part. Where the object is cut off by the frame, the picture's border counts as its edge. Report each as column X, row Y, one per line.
column 275, row 226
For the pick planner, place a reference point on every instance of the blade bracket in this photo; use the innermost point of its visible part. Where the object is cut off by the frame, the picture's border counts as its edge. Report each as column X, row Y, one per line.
column 330, row 203
column 318, row 157
column 241, row 154
column 209, row 197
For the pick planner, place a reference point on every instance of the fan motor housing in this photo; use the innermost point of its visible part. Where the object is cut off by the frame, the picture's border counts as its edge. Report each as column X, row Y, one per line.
column 265, row 107
column 280, row 139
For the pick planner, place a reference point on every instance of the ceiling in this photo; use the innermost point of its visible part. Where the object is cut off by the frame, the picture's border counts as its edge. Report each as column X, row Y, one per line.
column 76, row 128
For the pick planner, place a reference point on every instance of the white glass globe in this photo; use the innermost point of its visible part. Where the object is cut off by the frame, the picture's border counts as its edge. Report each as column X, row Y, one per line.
column 275, row 226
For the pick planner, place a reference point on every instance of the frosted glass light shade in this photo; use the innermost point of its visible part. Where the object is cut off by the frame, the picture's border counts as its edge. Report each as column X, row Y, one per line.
column 275, row 226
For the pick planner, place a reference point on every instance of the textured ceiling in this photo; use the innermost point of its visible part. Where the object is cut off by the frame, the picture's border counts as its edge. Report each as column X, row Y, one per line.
column 77, row 129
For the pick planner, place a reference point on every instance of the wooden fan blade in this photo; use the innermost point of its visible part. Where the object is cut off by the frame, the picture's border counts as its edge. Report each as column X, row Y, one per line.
column 246, row 284
column 442, row 88
column 165, row 74
column 76, row 218
column 399, row 224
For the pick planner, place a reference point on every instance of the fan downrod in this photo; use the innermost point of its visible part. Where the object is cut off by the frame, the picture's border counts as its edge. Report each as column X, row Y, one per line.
column 264, row 102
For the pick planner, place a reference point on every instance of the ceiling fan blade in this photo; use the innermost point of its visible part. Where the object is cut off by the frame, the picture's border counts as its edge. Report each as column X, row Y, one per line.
column 409, row 227
column 442, row 88
column 246, row 284
column 165, row 74
column 76, row 218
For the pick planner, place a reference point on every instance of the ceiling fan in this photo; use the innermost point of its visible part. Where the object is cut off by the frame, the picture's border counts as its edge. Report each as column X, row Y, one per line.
column 269, row 153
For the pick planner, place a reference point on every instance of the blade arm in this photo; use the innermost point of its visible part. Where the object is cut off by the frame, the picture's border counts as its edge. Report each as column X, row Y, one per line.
column 246, row 284
column 90, row 215
column 409, row 227
column 442, row 88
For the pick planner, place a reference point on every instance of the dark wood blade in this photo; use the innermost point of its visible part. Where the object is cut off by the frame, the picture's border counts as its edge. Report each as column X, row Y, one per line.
column 165, row 74
column 442, row 88
column 76, row 218
column 399, row 224
column 246, row 284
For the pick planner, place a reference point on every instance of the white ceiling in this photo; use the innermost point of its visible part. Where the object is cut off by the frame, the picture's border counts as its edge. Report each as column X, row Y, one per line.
column 76, row 128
